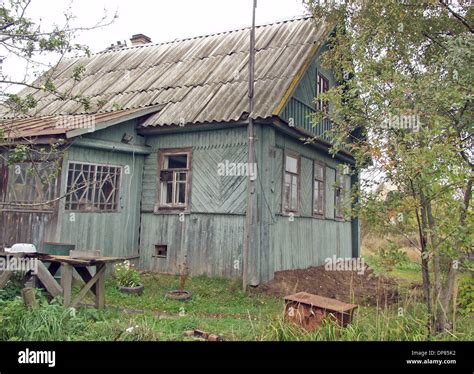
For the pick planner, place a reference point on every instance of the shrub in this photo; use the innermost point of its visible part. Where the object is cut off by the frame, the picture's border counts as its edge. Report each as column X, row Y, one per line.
column 12, row 288
column 391, row 256
column 126, row 275
column 466, row 296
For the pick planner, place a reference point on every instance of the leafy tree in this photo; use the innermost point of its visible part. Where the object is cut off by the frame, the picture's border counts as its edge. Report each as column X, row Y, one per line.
column 406, row 74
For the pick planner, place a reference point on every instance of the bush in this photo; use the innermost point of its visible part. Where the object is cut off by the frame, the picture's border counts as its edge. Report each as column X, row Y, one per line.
column 391, row 257
column 126, row 275
column 466, row 296
column 12, row 288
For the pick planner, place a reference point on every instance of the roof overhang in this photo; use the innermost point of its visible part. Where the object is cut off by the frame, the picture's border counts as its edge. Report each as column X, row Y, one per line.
column 318, row 143
column 68, row 126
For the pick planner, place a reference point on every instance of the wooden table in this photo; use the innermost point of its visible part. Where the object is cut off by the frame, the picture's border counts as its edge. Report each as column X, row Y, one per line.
column 93, row 283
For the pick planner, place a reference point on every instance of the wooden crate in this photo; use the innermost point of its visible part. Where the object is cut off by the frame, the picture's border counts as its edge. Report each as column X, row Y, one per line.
column 308, row 310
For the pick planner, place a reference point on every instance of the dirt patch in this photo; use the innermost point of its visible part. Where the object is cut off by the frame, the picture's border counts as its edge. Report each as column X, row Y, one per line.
column 346, row 286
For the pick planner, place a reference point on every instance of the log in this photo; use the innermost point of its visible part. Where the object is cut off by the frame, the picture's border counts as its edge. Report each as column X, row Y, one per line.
column 29, row 297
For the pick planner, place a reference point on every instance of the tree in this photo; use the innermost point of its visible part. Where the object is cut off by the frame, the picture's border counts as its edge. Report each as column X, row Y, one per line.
column 405, row 73
column 40, row 50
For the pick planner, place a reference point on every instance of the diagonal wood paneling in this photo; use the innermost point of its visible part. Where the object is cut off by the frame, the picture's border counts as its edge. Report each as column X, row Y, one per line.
column 212, row 192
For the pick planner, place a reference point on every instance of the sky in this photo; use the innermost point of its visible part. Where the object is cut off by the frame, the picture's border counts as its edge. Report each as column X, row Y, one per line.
column 161, row 20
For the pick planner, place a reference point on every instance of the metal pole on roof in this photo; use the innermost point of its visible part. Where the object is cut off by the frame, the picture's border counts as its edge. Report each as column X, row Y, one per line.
column 249, row 224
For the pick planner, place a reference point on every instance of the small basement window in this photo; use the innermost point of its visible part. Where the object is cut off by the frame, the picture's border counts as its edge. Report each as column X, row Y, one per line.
column 161, row 250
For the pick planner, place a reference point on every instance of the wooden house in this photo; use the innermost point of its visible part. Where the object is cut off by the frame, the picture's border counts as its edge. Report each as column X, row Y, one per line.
column 155, row 165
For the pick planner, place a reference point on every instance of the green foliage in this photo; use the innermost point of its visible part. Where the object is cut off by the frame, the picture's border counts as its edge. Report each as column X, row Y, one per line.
column 219, row 307
column 466, row 296
column 391, row 256
column 404, row 109
column 12, row 288
column 126, row 275
column 49, row 322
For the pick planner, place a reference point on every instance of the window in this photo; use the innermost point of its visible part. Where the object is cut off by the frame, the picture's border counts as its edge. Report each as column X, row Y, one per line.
column 318, row 192
column 174, row 174
column 161, row 250
column 31, row 183
column 92, row 187
column 339, row 197
column 322, row 85
column 291, row 183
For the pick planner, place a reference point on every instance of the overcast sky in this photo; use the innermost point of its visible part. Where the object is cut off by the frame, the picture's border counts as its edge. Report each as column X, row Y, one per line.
column 161, row 20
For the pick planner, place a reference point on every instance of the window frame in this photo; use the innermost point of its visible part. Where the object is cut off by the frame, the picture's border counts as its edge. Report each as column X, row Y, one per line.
column 323, row 183
column 339, row 209
column 297, row 156
column 118, row 187
column 162, row 153
column 50, row 205
column 320, row 104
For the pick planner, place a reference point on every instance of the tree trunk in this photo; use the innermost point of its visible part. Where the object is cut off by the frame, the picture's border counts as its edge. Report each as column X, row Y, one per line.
column 425, row 272
column 448, row 290
column 425, row 257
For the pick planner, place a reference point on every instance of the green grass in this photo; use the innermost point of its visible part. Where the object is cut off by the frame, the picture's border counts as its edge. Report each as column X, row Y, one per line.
column 212, row 297
column 219, row 307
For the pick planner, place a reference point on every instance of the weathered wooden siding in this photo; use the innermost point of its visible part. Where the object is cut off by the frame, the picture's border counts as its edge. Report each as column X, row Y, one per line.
column 211, row 243
column 303, row 240
column 23, row 226
column 114, row 233
column 301, row 105
column 211, row 193
column 211, row 236
column 34, row 224
column 308, row 241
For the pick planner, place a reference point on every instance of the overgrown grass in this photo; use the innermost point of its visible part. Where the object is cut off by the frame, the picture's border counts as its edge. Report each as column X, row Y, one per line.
column 218, row 306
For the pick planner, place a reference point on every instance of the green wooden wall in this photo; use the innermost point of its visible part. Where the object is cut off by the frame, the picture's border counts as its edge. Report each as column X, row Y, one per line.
column 210, row 237
column 301, row 106
column 303, row 240
column 115, row 233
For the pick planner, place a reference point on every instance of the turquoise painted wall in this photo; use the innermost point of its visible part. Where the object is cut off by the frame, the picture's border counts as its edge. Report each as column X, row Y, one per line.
column 115, row 233
column 301, row 106
column 210, row 237
column 303, row 240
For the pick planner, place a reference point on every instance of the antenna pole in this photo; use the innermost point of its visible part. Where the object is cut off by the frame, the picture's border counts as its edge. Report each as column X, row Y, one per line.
column 249, row 235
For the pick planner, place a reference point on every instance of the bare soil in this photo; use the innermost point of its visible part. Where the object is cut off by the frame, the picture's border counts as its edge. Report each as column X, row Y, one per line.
column 347, row 286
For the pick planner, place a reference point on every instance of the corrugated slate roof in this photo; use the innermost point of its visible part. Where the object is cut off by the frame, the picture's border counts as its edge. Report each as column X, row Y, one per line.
column 201, row 79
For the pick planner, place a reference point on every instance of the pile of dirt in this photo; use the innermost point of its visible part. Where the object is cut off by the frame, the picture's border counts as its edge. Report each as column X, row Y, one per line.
column 366, row 288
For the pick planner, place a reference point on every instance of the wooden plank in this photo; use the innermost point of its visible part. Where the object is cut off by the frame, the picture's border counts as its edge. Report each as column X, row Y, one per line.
column 100, row 287
column 100, row 273
column 84, row 254
column 66, row 282
column 48, row 281
column 86, row 276
column 53, row 268
column 4, row 278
